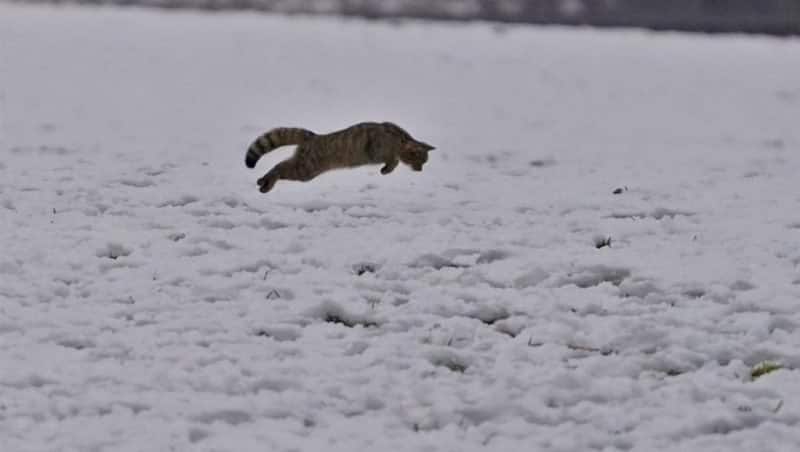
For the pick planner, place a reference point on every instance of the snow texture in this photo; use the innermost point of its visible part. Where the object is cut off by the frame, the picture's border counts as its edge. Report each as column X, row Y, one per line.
column 603, row 247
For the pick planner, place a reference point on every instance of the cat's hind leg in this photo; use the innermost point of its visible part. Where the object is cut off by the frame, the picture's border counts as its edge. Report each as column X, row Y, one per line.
column 290, row 169
column 268, row 181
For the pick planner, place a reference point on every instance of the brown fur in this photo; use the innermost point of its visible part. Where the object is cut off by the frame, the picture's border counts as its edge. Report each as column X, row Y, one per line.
column 365, row 143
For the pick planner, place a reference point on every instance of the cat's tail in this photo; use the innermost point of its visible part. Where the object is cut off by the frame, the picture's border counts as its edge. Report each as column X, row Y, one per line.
column 275, row 138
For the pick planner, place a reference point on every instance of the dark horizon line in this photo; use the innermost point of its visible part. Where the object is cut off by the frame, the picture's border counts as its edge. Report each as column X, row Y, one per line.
column 704, row 25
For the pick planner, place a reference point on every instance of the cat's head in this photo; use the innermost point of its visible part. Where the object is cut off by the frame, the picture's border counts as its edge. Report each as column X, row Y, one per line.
column 413, row 153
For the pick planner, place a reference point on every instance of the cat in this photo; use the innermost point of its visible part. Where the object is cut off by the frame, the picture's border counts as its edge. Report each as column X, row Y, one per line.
column 365, row 143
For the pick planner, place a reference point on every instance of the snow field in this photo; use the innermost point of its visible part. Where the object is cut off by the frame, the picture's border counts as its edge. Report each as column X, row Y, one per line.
column 152, row 299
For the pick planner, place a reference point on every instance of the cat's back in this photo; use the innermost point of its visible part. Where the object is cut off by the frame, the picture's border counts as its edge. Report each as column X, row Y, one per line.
column 350, row 139
column 356, row 130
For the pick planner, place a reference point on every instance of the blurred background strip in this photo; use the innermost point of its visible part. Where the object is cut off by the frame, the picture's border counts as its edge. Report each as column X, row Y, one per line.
column 777, row 17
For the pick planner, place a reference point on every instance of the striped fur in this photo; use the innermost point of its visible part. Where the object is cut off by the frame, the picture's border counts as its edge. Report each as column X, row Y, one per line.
column 275, row 138
column 365, row 143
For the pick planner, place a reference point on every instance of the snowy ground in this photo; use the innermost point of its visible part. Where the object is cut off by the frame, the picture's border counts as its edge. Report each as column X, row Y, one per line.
column 151, row 299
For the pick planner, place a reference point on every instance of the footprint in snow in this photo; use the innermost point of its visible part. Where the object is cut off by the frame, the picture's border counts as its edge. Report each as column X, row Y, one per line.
column 595, row 275
column 136, row 183
column 180, row 201
column 657, row 214
column 113, row 250
column 230, row 417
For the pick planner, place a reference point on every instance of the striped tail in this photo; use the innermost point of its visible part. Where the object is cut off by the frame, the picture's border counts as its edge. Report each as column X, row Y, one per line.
column 275, row 138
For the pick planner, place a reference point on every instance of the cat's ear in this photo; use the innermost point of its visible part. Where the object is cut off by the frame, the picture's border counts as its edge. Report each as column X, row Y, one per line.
column 425, row 146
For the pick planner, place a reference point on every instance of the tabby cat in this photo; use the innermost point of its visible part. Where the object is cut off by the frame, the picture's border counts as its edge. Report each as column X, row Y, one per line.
column 362, row 144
